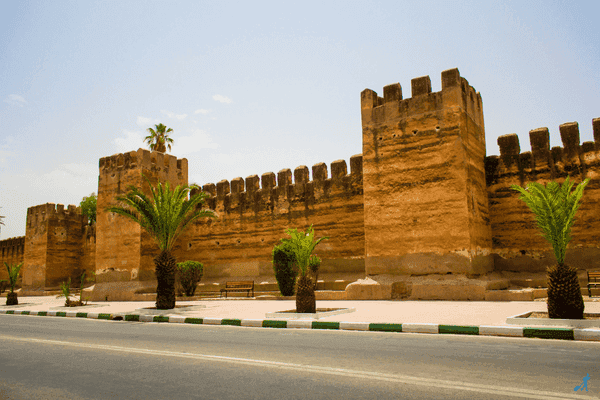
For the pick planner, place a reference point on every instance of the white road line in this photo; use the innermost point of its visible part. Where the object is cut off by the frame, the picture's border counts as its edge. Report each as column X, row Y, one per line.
column 393, row 378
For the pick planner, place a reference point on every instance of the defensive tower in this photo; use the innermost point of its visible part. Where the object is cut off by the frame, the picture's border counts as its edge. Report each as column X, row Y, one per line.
column 123, row 250
column 425, row 199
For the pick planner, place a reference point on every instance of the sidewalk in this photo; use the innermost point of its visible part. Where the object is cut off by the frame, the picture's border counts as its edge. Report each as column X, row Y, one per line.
column 428, row 315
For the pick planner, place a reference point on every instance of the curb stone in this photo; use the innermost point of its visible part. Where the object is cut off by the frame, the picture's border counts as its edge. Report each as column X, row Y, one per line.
column 586, row 334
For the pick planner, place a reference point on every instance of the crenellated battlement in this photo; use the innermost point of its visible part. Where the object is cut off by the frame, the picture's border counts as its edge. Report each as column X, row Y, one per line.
column 143, row 159
column 271, row 187
column 49, row 211
column 13, row 245
column 456, row 92
column 542, row 162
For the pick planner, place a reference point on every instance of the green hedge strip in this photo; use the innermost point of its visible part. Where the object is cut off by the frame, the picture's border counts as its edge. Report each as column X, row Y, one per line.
column 10, row 312
column 325, row 325
column 24, row 312
column 193, row 320
column 274, row 324
column 42, row 313
column 81, row 315
column 132, row 318
column 160, row 318
column 549, row 333
column 457, row 329
column 386, row 327
column 234, row 322
column 61, row 314
column 104, row 316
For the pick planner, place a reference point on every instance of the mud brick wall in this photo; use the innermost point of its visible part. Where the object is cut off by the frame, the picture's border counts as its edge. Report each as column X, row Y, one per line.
column 123, row 251
column 53, row 245
column 253, row 214
column 12, row 252
column 425, row 198
column 517, row 244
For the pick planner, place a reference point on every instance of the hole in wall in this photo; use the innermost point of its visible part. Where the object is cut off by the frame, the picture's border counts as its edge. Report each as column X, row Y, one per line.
column 437, row 128
column 189, row 246
column 217, row 243
column 239, row 241
column 380, row 138
column 414, row 132
column 523, row 252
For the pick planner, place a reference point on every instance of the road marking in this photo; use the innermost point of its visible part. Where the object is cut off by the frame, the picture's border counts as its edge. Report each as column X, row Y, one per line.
column 393, row 378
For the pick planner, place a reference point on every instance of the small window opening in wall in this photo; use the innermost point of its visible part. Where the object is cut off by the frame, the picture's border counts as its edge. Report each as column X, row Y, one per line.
column 523, row 252
column 415, row 132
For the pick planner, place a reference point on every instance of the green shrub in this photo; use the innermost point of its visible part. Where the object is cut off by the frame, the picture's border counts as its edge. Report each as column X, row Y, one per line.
column 285, row 268
column 189, row 274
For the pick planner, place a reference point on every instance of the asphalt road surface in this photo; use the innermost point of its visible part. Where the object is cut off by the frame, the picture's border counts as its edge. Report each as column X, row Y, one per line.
column 64, row 358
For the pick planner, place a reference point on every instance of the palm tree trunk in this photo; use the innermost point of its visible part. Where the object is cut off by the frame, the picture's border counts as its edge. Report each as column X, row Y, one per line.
column 305, row 295
column 11, row 299
column 165, row 275
column 564, row 293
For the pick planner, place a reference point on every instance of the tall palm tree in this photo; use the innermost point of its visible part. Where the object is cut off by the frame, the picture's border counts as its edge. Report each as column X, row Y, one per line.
column 159, row 138
column 302, row 245
column 164, row 217
column 554, row 207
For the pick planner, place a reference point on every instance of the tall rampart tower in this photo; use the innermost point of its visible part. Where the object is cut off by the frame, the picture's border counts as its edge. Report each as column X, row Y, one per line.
column 53, row 245
column 123, row 251
column 425, row 199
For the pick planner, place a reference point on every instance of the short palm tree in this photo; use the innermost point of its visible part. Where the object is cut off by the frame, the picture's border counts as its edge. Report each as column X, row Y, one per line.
column 302, row 245
column 164, row 217
column 13, row 276
column 554, row 207
column 159, row 139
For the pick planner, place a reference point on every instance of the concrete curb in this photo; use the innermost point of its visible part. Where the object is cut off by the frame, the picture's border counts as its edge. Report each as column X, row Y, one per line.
column 483, row 330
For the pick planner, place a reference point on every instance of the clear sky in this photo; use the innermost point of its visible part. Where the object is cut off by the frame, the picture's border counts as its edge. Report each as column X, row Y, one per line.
column 251, row 87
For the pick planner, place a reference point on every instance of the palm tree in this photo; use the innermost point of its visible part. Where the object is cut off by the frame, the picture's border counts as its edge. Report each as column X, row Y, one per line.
column 158, row 138
column 164, row 217
column 302, row 245
column 13, row 275
column 554, row 208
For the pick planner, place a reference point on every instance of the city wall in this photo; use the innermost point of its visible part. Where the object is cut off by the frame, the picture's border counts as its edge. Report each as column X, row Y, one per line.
column 11, row 252
column 253, row 215
column 421, row 199
column 517, row 243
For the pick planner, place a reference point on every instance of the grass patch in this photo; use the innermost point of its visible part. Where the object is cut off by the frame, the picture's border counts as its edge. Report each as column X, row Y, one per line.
column 132, row 318
column 42, row 313
column 61, row 314
column 160, row 318
column 81, row 315
column 104, row 316
column 25, row 312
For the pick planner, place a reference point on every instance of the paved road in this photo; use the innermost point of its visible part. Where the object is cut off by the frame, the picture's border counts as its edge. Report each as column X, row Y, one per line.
column 96, row 359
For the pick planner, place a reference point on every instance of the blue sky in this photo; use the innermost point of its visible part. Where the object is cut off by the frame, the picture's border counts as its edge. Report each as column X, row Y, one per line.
column 255, row 87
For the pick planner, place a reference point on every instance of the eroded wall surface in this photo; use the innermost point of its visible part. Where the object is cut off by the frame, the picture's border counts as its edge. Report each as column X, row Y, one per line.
column 424, row 183
column 517, row 244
